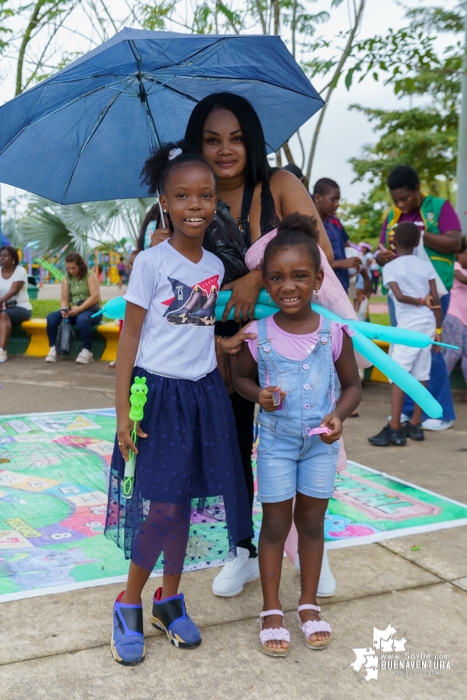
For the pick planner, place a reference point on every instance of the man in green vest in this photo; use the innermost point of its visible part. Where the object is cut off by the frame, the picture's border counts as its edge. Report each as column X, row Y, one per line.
column 442, row 240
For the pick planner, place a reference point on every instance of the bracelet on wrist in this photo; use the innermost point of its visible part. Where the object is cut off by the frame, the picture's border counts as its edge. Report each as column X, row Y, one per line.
column 439, row 331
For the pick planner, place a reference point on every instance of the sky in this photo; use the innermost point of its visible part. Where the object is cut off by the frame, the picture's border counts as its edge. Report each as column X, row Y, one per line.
column 344, row 132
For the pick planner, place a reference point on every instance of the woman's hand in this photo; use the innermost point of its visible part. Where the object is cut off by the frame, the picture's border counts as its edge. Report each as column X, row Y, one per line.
column 438, row 339
column 334, row 423
column 265, row 398
column 74, row 311
column 233, row 345
column 159, row 236
column 244, row 296
column 124, row 440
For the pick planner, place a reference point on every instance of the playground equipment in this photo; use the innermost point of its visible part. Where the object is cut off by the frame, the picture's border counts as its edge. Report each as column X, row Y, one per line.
column 105, row 261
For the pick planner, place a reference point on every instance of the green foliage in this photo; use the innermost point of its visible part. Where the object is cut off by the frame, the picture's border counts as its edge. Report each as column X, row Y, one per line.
column 5, row 12
column 404, row 50
column 363, row 221
column 79, row 227
column 382, row 319
column 155, row 16
column 424, row 137
column 437, row 19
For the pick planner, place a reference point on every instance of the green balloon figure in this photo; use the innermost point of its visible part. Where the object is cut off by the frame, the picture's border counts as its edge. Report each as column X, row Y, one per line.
column 138, row 398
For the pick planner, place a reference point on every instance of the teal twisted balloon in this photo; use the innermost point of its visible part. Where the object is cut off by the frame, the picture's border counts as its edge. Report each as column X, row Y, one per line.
column 138, row 398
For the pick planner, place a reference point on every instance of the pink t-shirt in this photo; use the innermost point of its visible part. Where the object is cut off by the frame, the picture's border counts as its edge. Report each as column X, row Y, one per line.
column 296, row 347
column 458, row 301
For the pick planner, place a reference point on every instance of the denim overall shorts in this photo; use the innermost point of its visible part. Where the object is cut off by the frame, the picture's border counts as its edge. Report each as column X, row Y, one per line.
column 289, row 458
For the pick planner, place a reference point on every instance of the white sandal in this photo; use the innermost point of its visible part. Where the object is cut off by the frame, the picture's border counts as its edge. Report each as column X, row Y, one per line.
column 276, row 634
column 312, row 627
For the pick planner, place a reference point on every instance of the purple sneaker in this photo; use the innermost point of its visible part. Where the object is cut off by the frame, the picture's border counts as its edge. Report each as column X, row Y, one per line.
column 170, row 616
column 127, row 645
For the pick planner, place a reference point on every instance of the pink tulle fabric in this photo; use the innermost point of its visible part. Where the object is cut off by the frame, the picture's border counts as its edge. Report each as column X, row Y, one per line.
column 331, row 295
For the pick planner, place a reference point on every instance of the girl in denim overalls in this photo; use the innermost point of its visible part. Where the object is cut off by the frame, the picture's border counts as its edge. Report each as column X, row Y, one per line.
column 296, row 354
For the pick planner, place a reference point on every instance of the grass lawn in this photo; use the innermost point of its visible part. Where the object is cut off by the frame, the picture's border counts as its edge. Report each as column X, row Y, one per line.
column 383, row 319
column 42, row 307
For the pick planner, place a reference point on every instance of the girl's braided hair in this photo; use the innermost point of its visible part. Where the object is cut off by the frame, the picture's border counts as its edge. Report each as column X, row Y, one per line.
column 163, row 161
column 295, row 231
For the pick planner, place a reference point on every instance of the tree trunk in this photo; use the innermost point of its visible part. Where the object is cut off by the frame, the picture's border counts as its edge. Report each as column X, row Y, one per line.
column 277, row 14
column 24, row 43
column 288, row 152
column 333, row 83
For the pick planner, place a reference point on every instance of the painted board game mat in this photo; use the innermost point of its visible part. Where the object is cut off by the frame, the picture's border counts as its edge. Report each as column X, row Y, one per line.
column 53, row 494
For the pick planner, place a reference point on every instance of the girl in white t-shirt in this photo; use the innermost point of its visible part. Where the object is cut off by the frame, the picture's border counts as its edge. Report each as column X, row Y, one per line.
column 14, row 301
column 189, row 505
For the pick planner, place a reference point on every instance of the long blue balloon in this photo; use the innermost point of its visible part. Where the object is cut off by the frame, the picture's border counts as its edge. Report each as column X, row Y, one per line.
column 375, row 331
column 391, row 369
column 115, row 308
column 371, row 352
column 391, row 334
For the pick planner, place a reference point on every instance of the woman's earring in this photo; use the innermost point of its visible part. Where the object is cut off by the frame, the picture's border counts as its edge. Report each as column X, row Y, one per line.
column 316, row 291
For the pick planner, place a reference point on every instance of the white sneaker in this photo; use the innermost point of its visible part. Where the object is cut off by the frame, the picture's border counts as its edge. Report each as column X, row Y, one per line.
column 235, row 574
column 327, row 582
column 3, row 356
column 85, row 357
column 52, row 356
column 436, row 424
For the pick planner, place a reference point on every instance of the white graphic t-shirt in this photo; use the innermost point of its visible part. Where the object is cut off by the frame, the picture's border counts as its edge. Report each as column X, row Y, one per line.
column 177, row 338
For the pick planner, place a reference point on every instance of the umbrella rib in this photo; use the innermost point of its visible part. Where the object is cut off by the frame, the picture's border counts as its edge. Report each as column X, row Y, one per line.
column 97, row 123
column 143, row 94
column 172, row 89
column 51, row 114
column 225, row 79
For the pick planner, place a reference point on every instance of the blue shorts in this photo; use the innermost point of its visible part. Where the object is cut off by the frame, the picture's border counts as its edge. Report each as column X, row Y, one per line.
column 288, row 463
column 360, row 283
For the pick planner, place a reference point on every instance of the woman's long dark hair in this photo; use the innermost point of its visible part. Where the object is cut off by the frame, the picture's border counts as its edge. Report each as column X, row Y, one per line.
column 257, row 166
column 77, row 259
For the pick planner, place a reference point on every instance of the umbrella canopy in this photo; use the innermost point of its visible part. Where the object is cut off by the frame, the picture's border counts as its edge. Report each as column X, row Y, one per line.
column 84, row 133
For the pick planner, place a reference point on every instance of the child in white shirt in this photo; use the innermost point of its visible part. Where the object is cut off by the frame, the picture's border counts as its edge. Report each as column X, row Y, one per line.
column 411, row 284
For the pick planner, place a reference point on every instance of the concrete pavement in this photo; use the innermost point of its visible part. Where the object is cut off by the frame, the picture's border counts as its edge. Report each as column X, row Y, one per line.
column 57, row 646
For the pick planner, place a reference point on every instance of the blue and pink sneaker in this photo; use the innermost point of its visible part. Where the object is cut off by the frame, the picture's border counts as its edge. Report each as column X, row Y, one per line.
column 127, row 645
column 170, row 616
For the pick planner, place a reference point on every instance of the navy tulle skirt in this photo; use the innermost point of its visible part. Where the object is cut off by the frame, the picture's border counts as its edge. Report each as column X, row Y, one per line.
column 189, row 506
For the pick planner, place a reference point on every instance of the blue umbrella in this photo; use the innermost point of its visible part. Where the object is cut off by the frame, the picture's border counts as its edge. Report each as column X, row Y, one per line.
column 84, row 133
